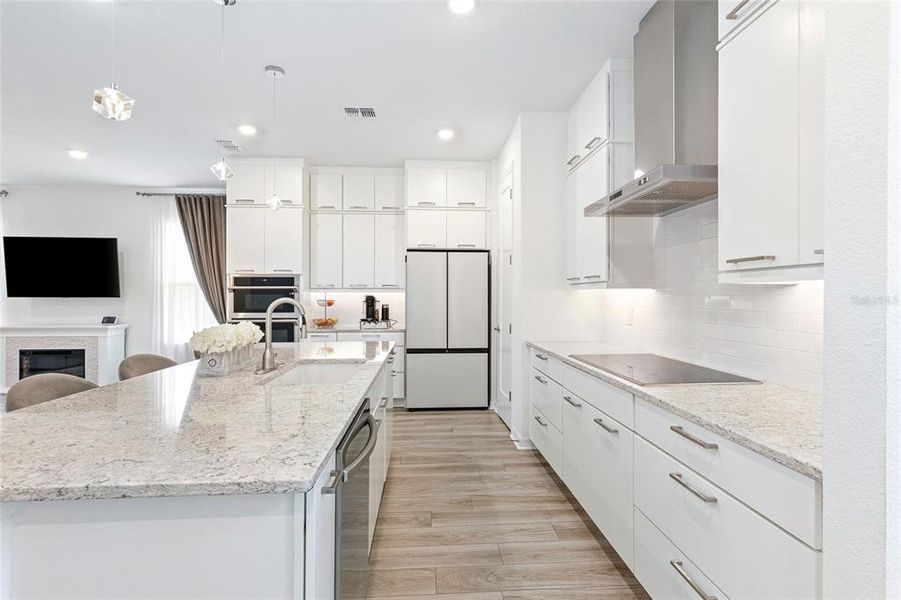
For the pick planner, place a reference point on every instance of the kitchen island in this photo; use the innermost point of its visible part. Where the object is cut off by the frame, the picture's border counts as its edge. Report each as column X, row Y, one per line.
column 175, row 485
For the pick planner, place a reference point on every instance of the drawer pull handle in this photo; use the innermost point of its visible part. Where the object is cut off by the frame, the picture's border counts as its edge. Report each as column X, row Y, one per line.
column 540, row 356
column 678, row 429
column 466, row 203
column 573, row 278
column 677, row 565
column 819, row 252
column 390, row 208
column 735, row 261
column 572, row 402
column 540, row 422
column 677, row 477
column 573, row 160
column 605, row 426
column 594, row 141
column 426, row 203
column 733, row 14
column 326, row 206
column 541, row 379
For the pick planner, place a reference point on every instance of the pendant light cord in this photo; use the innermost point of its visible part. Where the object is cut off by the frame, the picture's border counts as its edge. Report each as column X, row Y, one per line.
column 115, row 42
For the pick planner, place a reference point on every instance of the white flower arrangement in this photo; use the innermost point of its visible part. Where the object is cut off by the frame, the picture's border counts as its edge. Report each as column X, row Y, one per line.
column 224, row 338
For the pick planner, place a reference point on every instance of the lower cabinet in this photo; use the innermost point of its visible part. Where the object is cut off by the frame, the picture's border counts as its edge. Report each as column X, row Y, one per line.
column 546, row 438
column 319, row 539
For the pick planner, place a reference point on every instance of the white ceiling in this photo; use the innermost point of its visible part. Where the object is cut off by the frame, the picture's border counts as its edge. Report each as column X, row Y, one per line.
column 417, row 64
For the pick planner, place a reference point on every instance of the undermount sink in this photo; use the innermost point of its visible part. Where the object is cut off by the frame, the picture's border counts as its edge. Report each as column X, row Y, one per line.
column 318, row 374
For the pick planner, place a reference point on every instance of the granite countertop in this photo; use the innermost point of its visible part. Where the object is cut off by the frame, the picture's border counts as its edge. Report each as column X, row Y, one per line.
column 779, row 422
column 173, row 433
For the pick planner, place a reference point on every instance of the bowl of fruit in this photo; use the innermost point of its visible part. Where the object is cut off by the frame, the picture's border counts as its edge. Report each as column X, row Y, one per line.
column 326, row 323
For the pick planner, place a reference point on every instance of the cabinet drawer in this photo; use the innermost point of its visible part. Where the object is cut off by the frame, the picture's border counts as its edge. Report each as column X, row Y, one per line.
column 547, row 396
column 746, row 555
column 663, row 570
column 545, row 363
column 617, row 403
column 330, row 336
column 399, row 385
column 546, row 438
column 786, row 497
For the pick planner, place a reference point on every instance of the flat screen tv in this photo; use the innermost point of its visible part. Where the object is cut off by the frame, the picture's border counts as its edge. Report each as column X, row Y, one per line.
column 61, row 267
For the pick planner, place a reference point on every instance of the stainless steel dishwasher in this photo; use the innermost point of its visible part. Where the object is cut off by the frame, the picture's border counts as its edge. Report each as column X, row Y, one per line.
column 352, row 503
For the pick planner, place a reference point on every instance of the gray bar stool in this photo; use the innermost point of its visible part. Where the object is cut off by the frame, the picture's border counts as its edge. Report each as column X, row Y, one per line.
column 43, row 388
column 141, row 364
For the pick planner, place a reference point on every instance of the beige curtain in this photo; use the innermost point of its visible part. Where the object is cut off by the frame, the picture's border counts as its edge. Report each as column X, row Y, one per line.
column 203, row 221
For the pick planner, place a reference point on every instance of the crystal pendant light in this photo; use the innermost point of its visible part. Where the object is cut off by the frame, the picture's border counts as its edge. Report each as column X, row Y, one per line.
column 276, row 72
column 111, row 102
column 221, row 170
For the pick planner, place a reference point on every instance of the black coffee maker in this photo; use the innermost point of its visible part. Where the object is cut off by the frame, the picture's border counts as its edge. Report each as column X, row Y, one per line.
column 371, row 309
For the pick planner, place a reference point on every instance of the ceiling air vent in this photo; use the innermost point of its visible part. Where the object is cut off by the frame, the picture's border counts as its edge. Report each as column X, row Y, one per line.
column 359, row 113
column 228, row 145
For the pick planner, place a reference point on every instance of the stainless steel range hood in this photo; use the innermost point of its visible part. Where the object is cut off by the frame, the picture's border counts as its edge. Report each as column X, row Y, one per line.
column 675, row 112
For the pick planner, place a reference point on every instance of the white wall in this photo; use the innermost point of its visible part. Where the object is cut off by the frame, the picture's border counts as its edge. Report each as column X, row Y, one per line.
column 862, row 386
column 90, row 211
column 771, row 332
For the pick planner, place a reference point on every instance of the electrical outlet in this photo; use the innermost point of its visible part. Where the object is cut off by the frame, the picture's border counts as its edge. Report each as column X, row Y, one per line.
column 630, row 314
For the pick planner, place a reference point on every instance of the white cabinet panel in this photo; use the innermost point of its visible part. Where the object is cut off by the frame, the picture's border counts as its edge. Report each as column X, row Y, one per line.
column 358, row 245
column 591, row 232
column 466, row 188
column 467, row 229
column 325, row 191
column 758, row 143
column 426, row 187
column 467, row 299
column 283, row 246
column 359, row 192
column 546, row 438
column 573, row 149
column 287, row 182
column 812, row 176
column 245, row 230
column 325, row 249
column 389, row 251
column 426, row 229
column 593, row 114
column 247, row 185
column 733, row 13
column 389, row 192
column 319, row 567
column 447, row 380
column 426, row 300
column 546, row 395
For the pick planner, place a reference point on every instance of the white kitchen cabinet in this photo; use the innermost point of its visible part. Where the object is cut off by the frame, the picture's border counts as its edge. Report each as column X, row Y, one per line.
column 286, row 180
column 389, row 251
column 247, row 185
column 426, row 187
column 325, row 250
column 591, row 183
column 357, row 251
column 467, row 188
column 359, row 191
column 467, row 229
column 758, row 157
column 320, row 539
column 733, row 13
column 283, row 240
column 812, row 176
column 426, row 228
column 325, row 191
column 592, row 114
column 574, row 151
column 389, row 192
column 245, row 231
column 546, row 438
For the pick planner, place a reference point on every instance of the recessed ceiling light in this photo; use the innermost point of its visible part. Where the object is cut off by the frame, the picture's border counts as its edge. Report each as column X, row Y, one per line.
column 446, row 134
column 247, row 129
column 461, row 7
column 77, row 154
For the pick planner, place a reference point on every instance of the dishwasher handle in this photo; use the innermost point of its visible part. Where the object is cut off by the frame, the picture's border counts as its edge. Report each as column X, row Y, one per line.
column 367, row 450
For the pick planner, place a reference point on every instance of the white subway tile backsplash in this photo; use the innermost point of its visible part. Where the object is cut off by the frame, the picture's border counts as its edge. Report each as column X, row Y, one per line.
column 767, row 332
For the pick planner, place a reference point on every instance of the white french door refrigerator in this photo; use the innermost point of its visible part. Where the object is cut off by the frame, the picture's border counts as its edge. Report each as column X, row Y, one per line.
column 447, row 337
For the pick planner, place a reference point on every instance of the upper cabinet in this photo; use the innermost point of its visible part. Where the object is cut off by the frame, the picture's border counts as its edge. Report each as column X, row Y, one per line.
column 389, row 192
column 467, row 188
column 261, row 240
column 359, row 191
column 733, row 13
column 325, row 191
column 255, row 180
column 426, row 187
column 771, row 166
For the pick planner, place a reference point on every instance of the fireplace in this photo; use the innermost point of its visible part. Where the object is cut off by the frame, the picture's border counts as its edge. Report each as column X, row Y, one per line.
column 35, row 362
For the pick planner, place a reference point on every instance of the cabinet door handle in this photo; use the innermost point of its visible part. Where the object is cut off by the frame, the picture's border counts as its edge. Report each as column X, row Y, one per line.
column 677, row 477
column 540, row 356
column 497, row 329
column 594, row 141
column 358, row 207
column 466, row 203
column 466, row 245
column 733, row 14
column 593, row 276
column 326, row 206
column 282, row 270
column 390, row 208
column 425, row 245
column 358, row 285
column 819, row 252
column 541, row 379
column 244, row 201
column 679, row 430
column 572, row 402
column 744, row 259
column 606, row 427
column 677, row 565
column 540, row 422
column 391, row 285
column 245, row 271
column 573, row 160
column 425, row 203
column 325, row 285
column 573, row 278
column 288, row 202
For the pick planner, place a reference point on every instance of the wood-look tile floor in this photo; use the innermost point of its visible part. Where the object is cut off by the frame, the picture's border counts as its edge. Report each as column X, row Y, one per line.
column 467, row 516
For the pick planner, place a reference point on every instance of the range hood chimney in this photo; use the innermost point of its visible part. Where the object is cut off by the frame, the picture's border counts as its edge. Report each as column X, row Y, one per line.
column 675, row 112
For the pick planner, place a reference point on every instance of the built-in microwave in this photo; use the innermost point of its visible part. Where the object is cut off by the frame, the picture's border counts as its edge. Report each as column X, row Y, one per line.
column 283, row 330
column 250, row 296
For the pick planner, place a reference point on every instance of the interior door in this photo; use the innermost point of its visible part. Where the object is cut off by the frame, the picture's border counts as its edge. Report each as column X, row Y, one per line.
column 505, row 203
column 426, row 300
column 467, row 300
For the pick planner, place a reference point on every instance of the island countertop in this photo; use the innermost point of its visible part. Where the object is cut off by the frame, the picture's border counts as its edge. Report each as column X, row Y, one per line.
column 779, row 422
column 173, row 433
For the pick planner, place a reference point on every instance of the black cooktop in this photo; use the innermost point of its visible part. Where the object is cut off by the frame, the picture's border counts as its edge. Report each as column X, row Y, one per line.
column 651, row 369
